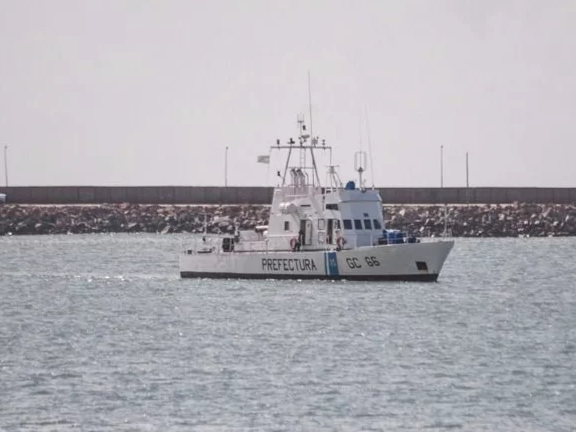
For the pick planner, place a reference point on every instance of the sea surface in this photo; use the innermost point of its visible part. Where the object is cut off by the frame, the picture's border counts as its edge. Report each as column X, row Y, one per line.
column 99, row 333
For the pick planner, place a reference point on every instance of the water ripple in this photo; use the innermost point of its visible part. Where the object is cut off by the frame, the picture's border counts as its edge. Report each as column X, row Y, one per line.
column 99, row 333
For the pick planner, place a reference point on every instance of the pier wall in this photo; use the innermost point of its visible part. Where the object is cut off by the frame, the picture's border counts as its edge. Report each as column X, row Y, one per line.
column 263, row 195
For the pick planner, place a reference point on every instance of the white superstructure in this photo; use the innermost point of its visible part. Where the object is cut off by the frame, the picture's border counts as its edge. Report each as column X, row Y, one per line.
column 314, row 232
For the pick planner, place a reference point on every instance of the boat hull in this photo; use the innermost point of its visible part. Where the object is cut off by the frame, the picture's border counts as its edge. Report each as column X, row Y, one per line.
column 400, row 262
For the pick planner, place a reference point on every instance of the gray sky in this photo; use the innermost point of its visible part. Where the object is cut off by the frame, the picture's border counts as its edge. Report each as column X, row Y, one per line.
column 148, row 92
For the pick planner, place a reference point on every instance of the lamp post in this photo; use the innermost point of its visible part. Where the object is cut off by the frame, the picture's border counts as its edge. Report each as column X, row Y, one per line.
column 226, row 167
column 442, row 189
column 6, row 164
column 467, row 182
column 442, row 168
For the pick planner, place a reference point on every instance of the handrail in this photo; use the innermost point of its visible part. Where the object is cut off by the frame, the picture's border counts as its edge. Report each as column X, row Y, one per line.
column 353, row 240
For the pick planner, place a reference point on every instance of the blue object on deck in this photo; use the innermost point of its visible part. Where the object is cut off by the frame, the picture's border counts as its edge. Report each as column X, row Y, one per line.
column 394, row 236
column 350, row 185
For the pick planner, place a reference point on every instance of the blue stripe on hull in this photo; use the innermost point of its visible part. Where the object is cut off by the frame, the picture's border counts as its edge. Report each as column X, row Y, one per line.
column 332, row 264
column 425, row 277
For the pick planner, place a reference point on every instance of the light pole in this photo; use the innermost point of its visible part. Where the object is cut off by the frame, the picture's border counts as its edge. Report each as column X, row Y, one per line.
column 226, row 167
column 442, row 188
column 6, row 164
column 467, row 182
column 442, row 167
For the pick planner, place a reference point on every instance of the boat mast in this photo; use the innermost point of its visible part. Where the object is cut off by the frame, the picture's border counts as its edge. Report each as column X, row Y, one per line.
column 304, row 146
column 289, row 147
column 310, row 106
column 313, row 140
column 369, row 146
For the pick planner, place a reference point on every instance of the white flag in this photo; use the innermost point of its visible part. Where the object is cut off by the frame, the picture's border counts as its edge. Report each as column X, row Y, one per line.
column 264, row 159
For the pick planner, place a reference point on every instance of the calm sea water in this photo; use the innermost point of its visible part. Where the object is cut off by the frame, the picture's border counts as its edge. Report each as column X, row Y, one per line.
column 98, row 333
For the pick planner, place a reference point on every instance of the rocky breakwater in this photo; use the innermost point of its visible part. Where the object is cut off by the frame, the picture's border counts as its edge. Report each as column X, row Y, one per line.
column 128, row 218
column 463, row 221
column 514, row 220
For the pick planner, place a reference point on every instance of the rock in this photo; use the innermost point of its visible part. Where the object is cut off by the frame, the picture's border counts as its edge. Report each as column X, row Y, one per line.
column 465, row 221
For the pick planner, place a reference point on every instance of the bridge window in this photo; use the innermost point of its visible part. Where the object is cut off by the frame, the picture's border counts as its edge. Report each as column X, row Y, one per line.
column 347, row 224
column 358, row 224
column 331, row 206
column 377, row 224
column 286, row 225
column 367, row 224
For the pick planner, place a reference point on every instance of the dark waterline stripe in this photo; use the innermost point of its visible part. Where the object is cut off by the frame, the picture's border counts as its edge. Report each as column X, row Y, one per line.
column 425, row 277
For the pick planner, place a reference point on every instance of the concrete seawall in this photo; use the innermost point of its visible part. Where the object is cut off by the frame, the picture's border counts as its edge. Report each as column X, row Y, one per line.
column 263, row 195
column 535, row 220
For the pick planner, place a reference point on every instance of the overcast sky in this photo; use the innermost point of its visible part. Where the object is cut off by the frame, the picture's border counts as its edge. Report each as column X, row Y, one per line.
column 148, row 92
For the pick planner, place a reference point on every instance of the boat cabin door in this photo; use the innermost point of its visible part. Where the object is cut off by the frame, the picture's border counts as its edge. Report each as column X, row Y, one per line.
column 333, row 225
column 305, row 236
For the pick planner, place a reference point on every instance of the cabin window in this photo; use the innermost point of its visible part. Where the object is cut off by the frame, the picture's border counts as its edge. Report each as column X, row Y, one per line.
column 367, row 224
column 331, row 206
column 377, row 224
column 321, row 224
column 347, row 224
column 358, row 224
column 286, row 225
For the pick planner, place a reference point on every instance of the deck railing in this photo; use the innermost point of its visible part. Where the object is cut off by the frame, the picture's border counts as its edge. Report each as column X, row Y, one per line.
column 213, row 243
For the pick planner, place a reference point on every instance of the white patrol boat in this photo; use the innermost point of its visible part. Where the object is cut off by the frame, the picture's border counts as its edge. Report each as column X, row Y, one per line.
column 335, row 232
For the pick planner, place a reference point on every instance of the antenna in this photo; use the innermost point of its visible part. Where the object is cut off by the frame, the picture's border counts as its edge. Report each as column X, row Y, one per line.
column 310, row 105
column 360, row 157
column 360, row 134
column 369, row 146
column 359, row 164
column 316, row 177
